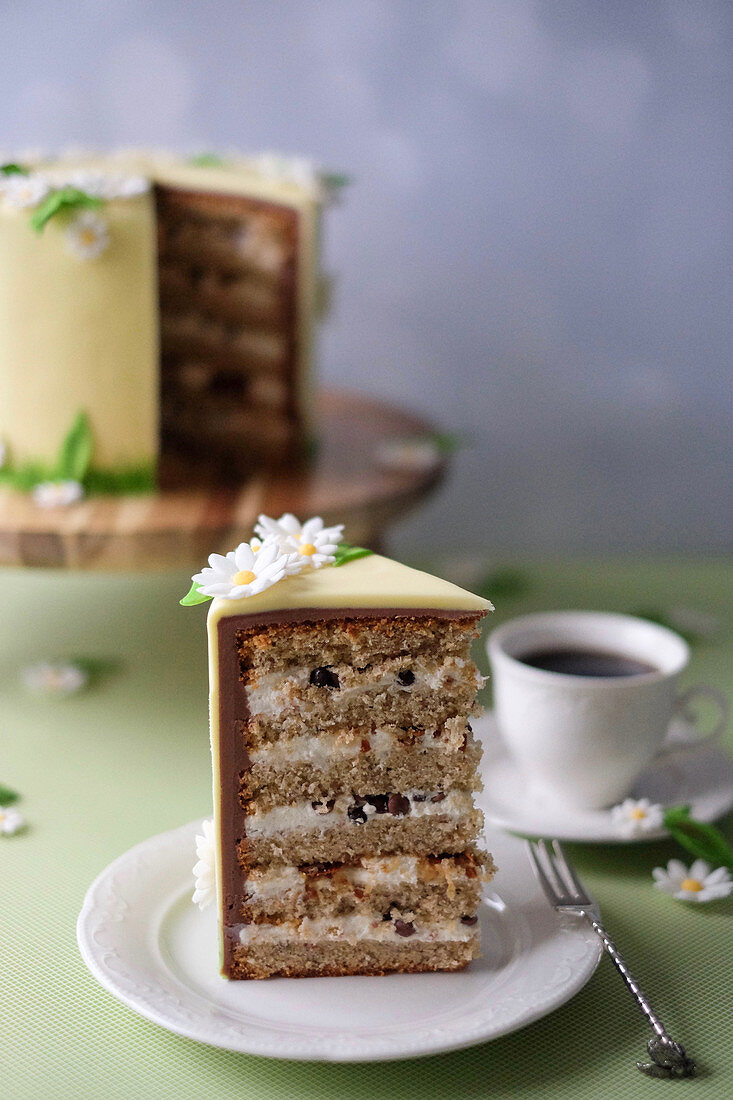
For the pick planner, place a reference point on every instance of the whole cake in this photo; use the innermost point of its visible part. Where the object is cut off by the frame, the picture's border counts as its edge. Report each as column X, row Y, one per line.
column 155, row 306
column 341, row 687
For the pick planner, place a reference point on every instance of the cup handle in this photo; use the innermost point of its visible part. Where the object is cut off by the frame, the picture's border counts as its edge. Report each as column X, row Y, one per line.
column 678, row 740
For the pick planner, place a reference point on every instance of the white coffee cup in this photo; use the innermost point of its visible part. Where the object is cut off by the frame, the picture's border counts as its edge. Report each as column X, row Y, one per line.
column 584, row 740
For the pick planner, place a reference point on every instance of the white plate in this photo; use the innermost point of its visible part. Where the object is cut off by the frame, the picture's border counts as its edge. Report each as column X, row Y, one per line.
column 146, row 943
column 702, row 778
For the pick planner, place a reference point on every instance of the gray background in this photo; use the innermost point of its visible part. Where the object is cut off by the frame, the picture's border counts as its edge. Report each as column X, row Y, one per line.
column 536, row 247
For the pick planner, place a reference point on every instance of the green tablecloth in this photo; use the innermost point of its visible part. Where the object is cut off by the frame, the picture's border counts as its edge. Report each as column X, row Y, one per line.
column 102, row 770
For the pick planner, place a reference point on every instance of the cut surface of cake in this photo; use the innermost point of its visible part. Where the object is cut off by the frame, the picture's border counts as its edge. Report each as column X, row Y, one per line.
column 347, row 840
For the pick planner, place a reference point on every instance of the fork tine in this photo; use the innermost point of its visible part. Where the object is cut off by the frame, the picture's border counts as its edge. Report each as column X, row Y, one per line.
column 569, row 871
column 540, row 873
column 561, row 889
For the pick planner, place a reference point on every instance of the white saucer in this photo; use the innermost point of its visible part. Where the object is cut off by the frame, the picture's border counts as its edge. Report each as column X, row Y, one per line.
column 146, row 943
column 701, row 778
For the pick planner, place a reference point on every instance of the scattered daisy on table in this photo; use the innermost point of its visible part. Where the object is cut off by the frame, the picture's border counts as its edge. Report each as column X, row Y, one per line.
column 48, row 678
column 697, row 883
column 11, row 821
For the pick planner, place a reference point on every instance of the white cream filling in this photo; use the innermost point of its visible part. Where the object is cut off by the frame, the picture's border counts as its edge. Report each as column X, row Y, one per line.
column 354, row 929
column 321, row 750
column 387, row 871
column 390, row 871
column 302, row 815
column 270, row 694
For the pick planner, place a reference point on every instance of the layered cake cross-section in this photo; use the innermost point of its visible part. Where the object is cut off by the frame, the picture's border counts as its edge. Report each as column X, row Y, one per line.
column 346, row 835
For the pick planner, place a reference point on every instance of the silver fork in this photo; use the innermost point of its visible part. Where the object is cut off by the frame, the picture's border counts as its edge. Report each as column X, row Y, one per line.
column 566, row 893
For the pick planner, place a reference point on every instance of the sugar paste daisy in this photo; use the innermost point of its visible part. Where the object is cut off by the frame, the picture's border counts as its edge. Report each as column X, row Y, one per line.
column 313, row 543
column 698, row 883
column 10, row 821
column 108, row 187
column 246, row 572
column 87, row 235
column 57, row 494
column 635, row 817
column 204, row 871
column 20, row 191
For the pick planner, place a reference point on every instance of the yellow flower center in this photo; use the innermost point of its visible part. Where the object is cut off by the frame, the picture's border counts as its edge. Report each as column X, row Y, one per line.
column 244, row 576
column 638, row 814
column 2, row 817
column 88, row 237
column 307, row 549
column 692, row 885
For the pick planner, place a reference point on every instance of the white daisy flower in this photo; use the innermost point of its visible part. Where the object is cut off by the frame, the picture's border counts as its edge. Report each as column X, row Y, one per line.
column 127, row 187
column 698, row 883
column 634, row 817
column 87, row 236
column 108, row 187
column 24, row 191
column 57, row 494
column 407, row 455
column 313, row 543
column 246, row 572
column 204, row 871
column 48, row 678
column 91, row 183
column 10, row 820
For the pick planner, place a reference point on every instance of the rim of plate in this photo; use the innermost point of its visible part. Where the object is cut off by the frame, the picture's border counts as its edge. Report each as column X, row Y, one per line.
column 128, row 905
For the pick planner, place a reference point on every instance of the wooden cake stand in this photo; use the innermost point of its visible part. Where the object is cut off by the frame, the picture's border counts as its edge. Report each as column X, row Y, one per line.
column 346, row 482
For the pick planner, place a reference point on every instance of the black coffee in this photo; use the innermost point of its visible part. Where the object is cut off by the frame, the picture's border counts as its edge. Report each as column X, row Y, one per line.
column 585, row 662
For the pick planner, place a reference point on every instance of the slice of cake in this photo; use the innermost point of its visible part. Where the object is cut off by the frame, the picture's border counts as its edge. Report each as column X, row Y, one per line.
column 344, row 763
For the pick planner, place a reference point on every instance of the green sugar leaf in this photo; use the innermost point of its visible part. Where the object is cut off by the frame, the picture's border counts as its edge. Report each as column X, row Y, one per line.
column 63, row 200
column 12, row 169
column 7, row 796
column 346, row 553
column 702, row 840
column 207, row 160
column 121, row 481
column 76, row 450
column 96, row 667
column 193, row 596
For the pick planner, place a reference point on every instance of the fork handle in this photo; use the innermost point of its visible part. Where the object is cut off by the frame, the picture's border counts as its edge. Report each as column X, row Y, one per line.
column 668, row 1058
